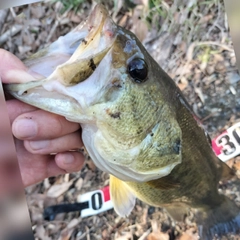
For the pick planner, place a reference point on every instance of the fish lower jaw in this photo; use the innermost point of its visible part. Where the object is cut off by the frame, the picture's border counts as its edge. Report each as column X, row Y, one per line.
column 123, row 172
column 137, row 176
column 57, row 103
column 127, row 174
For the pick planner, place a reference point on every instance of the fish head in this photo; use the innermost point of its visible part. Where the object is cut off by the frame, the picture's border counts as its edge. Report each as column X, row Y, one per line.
column 115, row 90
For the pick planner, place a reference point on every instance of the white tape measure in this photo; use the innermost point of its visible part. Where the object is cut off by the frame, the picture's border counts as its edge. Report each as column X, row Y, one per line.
column 227, row 145
column 97, row 201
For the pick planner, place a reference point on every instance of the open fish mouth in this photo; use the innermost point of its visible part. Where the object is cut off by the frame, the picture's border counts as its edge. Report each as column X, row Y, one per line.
column 65, row 63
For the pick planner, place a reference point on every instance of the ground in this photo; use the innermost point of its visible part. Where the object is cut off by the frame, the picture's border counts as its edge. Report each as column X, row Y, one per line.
column 190, row 40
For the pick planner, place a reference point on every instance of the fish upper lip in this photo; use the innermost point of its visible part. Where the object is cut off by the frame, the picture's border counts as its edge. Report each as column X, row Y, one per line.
column 94, row 47
column 99, row 32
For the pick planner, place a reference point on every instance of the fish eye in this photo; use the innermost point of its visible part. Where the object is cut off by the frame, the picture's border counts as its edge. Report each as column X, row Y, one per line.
column 138, row 70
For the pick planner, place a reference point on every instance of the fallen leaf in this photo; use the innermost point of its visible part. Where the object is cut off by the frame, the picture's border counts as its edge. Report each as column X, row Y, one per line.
column 158, row 236
column 41, row 233
column 73, row 223
column 189, row 235
column 58, row 189
column 66, row 234
column 79, row 184
column 127, row 236
column 139, row 27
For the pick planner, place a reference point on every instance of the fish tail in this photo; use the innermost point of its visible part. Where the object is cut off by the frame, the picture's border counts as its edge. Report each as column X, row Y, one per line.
column 220, row 220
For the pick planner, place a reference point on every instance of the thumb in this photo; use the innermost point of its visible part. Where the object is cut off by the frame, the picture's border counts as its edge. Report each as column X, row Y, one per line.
column 12, row 69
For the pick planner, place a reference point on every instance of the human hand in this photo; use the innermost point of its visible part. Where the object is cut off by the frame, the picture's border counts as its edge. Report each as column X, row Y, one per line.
column 39, row 133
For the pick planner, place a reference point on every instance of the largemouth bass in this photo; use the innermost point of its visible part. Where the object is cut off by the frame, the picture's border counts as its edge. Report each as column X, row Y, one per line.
column 136, row 124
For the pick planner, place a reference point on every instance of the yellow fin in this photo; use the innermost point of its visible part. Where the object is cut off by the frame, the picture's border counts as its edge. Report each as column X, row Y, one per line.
column 122, row 197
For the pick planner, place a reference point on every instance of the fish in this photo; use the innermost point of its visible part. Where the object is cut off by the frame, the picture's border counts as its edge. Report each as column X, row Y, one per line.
column 136, row 124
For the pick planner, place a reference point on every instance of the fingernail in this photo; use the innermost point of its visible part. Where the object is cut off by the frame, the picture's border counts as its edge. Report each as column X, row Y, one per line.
column 35, row 74
column 19, row 76
column 68, row 158
column 25, row 128
column 37, row 145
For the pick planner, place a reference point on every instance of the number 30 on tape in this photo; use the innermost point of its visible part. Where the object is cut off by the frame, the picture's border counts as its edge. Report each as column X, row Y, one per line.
column 227, row 145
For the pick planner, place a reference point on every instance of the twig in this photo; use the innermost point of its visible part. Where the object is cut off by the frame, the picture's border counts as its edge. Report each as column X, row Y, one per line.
column 53, row 29
column 11, row 32
column 212, row 114
column 191, row 48
column 3, row 16
column 13, row 12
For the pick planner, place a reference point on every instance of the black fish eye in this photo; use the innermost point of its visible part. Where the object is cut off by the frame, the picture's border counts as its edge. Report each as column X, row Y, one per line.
column 138, row 70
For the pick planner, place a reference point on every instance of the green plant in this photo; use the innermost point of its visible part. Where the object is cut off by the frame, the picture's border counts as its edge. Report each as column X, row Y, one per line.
column 74, row 5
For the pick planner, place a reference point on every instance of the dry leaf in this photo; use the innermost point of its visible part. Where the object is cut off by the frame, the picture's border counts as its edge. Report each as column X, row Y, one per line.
column 190, row 234
column 79, row 184
column 127, row 236
column 66, row 234
column 156, row 233
column 58, row 189
column 41, row 233
column 75, row 18
column 183, row 84
column 237, row 165
column 91, row 164
column 158, row 236
column 139, row 27
column 37, row 12
column 73, row 223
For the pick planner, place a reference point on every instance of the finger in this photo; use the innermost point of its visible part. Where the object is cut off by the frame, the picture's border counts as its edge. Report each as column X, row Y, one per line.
column 50, row 166
column 10, row 62
column 16, row 108
column 12, row 70
column 41, row 125
column 61, row 144
column 34, row 168
column 70, row 161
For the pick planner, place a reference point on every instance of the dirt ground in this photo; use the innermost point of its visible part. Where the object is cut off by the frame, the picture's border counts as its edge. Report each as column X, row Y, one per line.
column 190, row 40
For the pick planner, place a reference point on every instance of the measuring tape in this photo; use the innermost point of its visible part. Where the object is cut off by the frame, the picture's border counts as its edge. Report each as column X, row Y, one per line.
column 225, row 146
column 97, row 201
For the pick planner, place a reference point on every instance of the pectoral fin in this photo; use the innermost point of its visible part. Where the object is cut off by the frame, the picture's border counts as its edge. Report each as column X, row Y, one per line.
column 122, row 197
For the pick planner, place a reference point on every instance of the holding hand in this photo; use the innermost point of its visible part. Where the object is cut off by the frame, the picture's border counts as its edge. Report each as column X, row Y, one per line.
column 38, row 133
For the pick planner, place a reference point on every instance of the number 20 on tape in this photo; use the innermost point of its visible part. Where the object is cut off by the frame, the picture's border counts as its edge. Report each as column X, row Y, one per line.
column 227, row 145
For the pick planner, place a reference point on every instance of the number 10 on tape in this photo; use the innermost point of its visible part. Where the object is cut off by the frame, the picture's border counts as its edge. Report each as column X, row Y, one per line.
column 227, row 145
column 95, row 202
